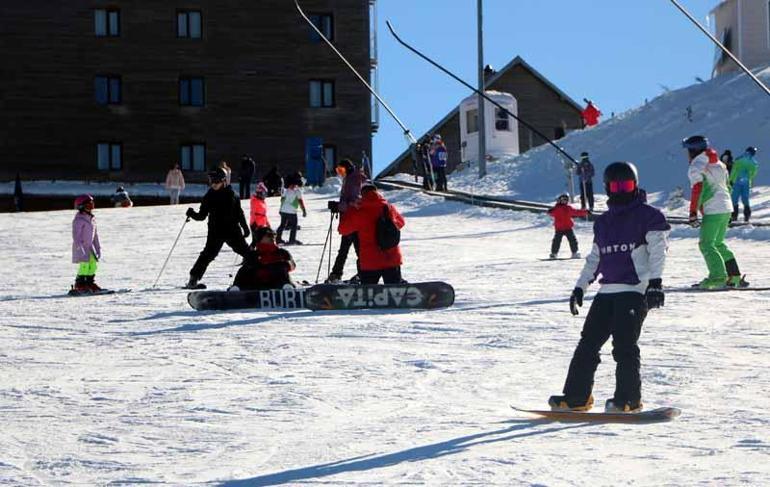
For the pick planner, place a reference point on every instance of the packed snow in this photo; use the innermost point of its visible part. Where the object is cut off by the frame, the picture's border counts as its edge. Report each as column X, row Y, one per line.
column 139, row 388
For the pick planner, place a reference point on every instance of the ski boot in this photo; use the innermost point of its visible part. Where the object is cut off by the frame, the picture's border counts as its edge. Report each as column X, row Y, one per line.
column 80, row 287
column 552, row 256
column 737, row 281
column 333, row 279
column 620, row 406
column 564, row 403
column 92, row 285
column 194, row 284
column 575, row 255
column 294, row 242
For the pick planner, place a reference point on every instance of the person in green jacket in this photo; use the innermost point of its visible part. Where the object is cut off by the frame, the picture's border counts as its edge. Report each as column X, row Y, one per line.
column 711, row 195
column 742, row 179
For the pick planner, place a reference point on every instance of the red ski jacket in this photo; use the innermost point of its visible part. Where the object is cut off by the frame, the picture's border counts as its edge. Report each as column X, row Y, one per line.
column 591, row 115
column 362, row 219
column 562, row 216
column 258, row 212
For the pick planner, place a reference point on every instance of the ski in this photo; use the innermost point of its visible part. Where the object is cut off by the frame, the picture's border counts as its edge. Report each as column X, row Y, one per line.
column 692, row 289
column 100, row 292
column 649, row 416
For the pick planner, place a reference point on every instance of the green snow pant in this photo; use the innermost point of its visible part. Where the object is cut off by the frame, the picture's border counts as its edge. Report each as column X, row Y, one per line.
column 88, row 269
column 712, row 244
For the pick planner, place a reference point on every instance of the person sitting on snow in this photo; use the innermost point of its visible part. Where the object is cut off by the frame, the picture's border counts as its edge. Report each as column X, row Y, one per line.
column 120, row 199
column 265, row 267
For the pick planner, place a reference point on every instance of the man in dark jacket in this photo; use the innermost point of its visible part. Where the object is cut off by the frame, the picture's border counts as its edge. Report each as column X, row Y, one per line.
column 350, row 194
column 273, row 181
column 223, row 209
column 585, row 172
column 246, row 175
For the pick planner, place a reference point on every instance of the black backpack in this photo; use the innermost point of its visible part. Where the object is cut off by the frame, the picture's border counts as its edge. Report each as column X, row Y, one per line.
column 388, row 235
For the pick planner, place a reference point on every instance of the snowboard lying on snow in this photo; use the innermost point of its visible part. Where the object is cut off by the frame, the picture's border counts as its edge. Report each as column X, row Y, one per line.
column 263, row 299
column 419, row 295
column 413, row 295
column 644, row 416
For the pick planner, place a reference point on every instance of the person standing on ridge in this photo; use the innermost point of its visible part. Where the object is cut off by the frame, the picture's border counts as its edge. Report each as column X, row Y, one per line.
column 226, row 225
column 438, row 160
column 629, row 253
column 710, row 195
column 585, row 171
column 590, row 114
column 742, row 179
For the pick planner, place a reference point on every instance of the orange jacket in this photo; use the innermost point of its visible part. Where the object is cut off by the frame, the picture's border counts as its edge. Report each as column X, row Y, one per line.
column 362, row 219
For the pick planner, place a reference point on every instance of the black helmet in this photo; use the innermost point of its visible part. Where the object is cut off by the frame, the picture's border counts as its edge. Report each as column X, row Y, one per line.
column 217, row 175
column 696, row 143
column 563, row 198
column 621, row 182
column 752, row 151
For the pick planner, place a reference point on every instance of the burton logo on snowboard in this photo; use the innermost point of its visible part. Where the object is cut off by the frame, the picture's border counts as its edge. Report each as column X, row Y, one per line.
column 262, row 299
column 420, row 295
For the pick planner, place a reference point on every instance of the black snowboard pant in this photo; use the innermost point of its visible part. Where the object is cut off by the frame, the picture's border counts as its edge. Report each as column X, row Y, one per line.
column 391, row 275
column 440, row 173
column 619, row 315
column 342, row 254
column 214, row 242
column 587, row 193
column 288, row 222
column 556, row 242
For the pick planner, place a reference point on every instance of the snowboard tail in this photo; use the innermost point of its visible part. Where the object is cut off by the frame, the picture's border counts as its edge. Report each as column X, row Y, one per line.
column 649, row 416
column 418, row 295
column 261, row 299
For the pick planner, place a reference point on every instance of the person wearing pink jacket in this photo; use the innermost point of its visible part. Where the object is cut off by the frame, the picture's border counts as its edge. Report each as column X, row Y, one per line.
column 174, row 184
column 86, row 249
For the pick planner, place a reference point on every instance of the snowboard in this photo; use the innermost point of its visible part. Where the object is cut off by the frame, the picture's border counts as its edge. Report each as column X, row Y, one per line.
column 417, row 295
column 562, row 258
column 649, row 416
column 262, row 299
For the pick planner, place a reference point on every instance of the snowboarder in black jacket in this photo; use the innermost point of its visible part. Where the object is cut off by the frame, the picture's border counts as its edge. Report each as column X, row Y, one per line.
column 227, row 224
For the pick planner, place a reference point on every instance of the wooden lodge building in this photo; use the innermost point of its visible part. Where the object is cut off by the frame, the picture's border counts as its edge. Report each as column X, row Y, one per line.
column 540, row 102
column 123, row 89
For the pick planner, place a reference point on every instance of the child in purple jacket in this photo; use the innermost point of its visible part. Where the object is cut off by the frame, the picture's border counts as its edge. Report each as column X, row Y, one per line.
column 86, row 250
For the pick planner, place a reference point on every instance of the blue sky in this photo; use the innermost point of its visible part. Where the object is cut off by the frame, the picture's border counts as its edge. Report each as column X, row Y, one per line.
column 615, row 52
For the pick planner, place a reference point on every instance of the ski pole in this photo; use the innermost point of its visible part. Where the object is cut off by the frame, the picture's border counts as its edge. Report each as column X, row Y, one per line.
column 170, row 252
column 327, row 240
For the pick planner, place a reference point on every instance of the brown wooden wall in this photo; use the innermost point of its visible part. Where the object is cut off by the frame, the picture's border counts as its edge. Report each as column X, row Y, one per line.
column 256, row 58
column 539, row 104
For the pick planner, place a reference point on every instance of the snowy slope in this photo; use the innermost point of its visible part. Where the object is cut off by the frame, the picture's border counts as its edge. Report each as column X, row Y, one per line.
column 731, row 110
column 139, row 388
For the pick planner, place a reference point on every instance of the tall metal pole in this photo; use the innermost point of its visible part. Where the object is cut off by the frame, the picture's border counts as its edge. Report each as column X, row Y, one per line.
column 482, row 124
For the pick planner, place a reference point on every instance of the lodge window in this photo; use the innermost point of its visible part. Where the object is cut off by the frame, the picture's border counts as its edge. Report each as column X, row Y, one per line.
column 321, row 93
column 502, row 122
column 192, row 157
column 189, row 24
column 192, row 91
column 324, row 23
column 109, row 156
column 107, row 22
column 107, row 90
column 472, row 121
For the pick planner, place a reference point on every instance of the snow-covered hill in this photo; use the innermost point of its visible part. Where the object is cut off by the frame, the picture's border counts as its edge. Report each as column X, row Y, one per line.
column 731, row 110
column 140, row 389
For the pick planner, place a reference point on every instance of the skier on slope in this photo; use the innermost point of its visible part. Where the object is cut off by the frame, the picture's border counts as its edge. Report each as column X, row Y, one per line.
column 562, row 215
column 291, row 201
column 438, row 160
column 227, row 224
column 585, row 172
column 258, row 211
column 742, row 179
column 86, row 249
column 710, row 195
column 629, row 251
column 350, row 194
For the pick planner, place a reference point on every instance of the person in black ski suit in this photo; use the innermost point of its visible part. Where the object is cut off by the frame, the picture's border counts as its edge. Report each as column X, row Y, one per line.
column 227, row 224
column 585, row 171
column 245, row 175
column 629, row 253
column 273, row 181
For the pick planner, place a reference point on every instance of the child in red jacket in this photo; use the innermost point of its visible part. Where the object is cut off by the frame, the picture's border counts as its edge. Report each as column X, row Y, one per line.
column 258, row 218
column 562, row 215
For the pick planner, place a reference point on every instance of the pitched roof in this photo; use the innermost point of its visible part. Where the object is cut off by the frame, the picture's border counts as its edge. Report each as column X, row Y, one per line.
column 517, row 61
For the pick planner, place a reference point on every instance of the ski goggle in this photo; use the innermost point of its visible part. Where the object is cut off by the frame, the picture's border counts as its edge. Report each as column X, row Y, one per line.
column 341, row 171
column 627, row 186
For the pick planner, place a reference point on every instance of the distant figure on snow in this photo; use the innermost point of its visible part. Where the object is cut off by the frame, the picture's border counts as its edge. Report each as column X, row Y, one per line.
column 245, row 176
column 742, row 179
column 273, row 181
column 562, row 215
column 438, row 160
column 174, row 184
column 590, row 114
column 120, row 199
column 86, row 249
column 585, row 171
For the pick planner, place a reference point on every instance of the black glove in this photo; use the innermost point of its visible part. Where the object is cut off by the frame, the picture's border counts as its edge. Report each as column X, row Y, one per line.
column 575, row 300
column 190, row 213
column 654, row 294
column 693, row 220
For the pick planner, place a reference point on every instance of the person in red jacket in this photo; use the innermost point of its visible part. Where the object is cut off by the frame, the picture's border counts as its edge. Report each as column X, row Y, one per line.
column 562, row 215
column 591, row 114
column 267, row 266
column 374, row 262
column 258, row 214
